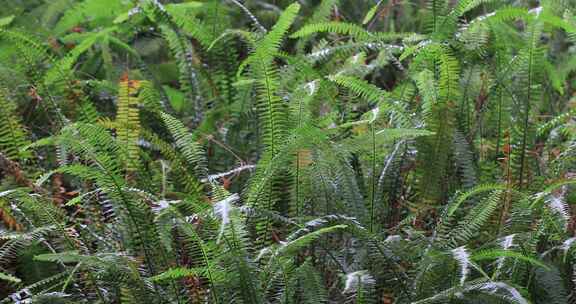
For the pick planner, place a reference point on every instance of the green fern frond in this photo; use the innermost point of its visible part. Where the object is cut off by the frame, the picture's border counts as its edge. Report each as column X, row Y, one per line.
column 184, row 179
column 384, row 100
column 186, row 143
column 176, row 274
column 499, row 291
column 361, row 88
column 472, row 224
column 13, row 136
column 348, row 29
column 342, row 28
column 492, row 254
column 269, row 45
column 462, row 197
column 273, row 111
column 293, row 245
column 40, row 287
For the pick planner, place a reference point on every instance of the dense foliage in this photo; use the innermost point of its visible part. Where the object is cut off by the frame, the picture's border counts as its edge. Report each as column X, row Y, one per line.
column 333, row 151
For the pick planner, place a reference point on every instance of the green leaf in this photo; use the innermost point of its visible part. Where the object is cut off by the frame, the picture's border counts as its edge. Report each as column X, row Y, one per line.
column 6, row 20
column 493, row 254
column 371, row 13
column 176, row 97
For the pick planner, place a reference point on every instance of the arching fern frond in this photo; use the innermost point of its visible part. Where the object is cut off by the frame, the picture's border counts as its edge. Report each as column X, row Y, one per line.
column 186, row 143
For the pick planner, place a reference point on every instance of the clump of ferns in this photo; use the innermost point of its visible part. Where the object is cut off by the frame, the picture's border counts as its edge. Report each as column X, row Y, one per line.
column 315, row 160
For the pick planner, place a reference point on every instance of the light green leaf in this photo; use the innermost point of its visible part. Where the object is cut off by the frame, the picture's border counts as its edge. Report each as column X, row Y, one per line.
column 371, row 13
column 6, row 20
column 9, row 278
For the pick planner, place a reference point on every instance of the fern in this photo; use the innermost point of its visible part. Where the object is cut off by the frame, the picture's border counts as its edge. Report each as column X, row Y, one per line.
column 268, row 152
column 272, row 110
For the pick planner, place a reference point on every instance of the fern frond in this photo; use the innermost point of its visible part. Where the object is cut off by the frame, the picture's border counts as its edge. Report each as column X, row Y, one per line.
column 190, row 149
column 491, row 254
column 128, row 120
column 13, row 136
column 342, row 28
column 273, row 115
column 497, row 290
column 270, row 44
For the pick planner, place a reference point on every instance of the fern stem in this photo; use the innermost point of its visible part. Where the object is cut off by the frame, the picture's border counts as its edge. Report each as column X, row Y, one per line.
column 499, row 127
column 373, row 179
column 387, row 165
column 300, row 110
column 434, row 15
column 526, row 113
column 251, row 16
